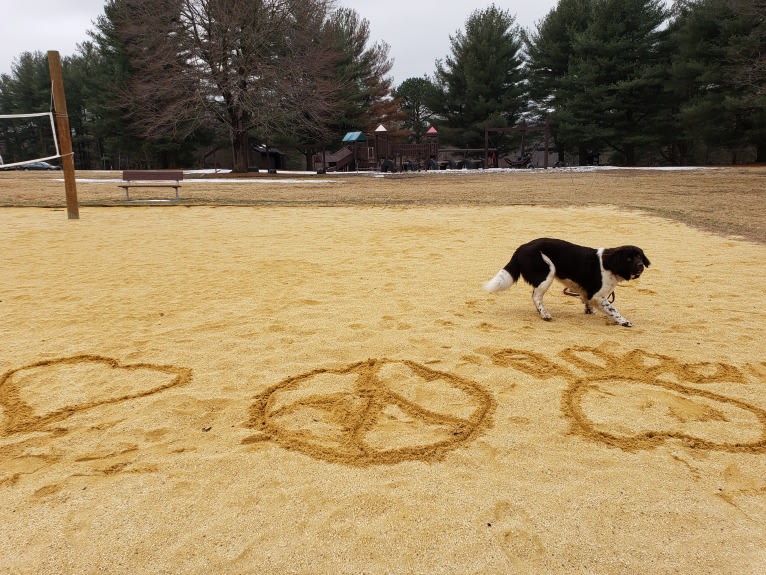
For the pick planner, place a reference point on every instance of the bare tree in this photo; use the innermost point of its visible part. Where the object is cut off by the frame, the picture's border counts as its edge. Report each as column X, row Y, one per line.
column 310, row 89
column 252, row 66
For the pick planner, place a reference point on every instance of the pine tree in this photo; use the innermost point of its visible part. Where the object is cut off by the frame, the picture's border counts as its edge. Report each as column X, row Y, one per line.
column 481, row 82
column 414, row 95
column 612, row 92
column 549, row 51
column 364, row 89
column 719, row 75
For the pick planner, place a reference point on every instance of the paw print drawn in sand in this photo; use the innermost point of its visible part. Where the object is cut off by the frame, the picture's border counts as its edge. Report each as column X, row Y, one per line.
column 377, row 411
column 36, row 396
column 638, row 400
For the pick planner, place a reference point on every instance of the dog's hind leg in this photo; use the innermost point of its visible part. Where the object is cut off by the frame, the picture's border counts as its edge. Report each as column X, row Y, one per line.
column 588, row 308
column 574, row 289
column 539, row 290
column 537, row 298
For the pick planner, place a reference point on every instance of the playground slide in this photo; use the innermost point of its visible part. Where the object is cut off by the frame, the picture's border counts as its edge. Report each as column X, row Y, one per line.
column 336, row 161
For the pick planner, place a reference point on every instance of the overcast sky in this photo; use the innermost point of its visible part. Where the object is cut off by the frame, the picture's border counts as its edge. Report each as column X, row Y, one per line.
column 417, row 31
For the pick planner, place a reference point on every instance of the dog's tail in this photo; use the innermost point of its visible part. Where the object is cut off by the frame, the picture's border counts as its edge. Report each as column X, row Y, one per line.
column 505, row 278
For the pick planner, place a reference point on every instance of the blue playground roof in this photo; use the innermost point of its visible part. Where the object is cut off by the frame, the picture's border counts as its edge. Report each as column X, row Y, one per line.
column 354, row 137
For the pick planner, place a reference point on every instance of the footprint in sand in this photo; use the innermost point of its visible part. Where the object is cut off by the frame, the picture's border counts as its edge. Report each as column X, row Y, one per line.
column 515, row 532
column 745, row 491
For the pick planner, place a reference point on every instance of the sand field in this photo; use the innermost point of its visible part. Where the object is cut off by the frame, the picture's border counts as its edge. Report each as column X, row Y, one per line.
column 304, row 376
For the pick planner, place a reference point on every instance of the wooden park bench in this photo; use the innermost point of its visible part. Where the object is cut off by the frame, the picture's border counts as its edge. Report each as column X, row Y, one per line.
column 151, row 178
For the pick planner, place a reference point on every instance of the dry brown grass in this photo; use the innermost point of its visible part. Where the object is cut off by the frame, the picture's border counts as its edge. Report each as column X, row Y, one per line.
column 729, row 201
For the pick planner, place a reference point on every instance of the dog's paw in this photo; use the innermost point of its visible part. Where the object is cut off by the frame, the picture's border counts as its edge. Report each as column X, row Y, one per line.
column 626, row 323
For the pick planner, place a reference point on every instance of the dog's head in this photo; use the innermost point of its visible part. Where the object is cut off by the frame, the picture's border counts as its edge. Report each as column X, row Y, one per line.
column 628, row 262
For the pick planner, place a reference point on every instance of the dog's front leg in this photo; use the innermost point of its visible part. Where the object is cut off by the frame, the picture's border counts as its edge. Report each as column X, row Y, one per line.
column 610, row 310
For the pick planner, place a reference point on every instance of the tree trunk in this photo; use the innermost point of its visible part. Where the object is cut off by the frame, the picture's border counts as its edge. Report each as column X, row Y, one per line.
column 240, row 148
column 583, row 157
column 630, row 155
column 760, row 152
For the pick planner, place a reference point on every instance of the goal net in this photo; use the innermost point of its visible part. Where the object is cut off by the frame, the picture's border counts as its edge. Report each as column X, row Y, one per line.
column 26, row 138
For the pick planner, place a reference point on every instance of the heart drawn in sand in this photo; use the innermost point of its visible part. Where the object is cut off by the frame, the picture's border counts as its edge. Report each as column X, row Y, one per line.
column 378, row 411
column 37, row 395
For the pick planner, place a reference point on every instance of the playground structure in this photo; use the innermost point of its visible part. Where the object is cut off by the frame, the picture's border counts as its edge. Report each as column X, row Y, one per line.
column 381, row 153
column 386, row 154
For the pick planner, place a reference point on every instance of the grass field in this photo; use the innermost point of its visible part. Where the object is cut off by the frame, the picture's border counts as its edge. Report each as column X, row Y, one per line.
column 724, row 200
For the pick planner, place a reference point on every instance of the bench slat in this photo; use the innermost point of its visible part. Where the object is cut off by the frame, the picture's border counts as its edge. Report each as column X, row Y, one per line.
column 150, row 178
column 133, row 175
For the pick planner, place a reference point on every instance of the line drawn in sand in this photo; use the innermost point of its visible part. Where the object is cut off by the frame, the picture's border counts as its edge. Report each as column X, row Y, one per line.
column 639, row 400
column 378, row 411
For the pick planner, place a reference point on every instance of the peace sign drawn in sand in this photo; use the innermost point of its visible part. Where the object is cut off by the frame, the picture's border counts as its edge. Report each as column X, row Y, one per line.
column 654, row 398
column 372, row 412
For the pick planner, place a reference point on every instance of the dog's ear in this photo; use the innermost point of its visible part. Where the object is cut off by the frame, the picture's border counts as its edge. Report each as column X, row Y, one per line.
column 645, row 259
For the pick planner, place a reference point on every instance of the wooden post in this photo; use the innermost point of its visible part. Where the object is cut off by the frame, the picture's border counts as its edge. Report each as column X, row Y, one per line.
column 547, row 137
column 65, row 136
column 486, row 147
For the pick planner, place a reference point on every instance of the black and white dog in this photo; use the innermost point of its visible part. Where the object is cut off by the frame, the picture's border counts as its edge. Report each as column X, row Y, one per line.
column 589, row 272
